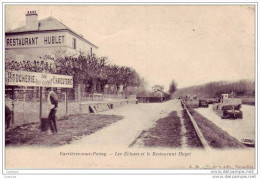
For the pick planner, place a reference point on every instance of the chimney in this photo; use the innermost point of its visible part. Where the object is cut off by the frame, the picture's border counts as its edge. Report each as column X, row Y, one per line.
column 31, row 21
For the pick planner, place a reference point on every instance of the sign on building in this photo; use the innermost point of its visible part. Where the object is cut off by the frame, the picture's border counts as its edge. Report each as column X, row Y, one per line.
column 24, row 78
column 35, row 40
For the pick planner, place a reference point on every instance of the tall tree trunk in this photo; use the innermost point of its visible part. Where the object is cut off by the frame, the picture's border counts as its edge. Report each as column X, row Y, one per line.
column 117, row 88
column 102, row 88
column 94, row 86
column 98, row 88
column 124, row 89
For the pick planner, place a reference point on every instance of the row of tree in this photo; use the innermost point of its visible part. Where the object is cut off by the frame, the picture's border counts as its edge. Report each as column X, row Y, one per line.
column 95, row 73
column 240, row 88
column 215, row 89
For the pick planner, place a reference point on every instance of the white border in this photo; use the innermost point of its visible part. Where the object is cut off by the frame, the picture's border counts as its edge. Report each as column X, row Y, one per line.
column 189, row 173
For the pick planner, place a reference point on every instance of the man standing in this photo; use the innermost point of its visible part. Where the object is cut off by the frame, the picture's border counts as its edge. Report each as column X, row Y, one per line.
column 52, row 101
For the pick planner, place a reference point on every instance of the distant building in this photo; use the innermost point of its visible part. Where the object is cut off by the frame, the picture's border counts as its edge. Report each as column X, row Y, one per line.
column 156, row 88
column 157, row 95
column 37, row 39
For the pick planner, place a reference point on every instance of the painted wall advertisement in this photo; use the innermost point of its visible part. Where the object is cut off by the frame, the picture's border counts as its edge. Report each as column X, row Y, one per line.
column 24, row 78
column 35, row 40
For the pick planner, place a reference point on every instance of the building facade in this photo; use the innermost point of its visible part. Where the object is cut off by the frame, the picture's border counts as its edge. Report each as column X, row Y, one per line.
column 41, row 38
column 39, row 41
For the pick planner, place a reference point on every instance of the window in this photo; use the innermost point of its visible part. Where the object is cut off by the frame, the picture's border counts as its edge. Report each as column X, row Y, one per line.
column 74, row 45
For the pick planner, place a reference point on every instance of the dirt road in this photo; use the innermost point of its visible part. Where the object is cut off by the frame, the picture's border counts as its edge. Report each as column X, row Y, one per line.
column 136, row 119
column 108, row 140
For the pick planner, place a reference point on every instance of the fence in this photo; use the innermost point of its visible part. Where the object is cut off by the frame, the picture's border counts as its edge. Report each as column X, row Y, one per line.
column 25, row 102
column 100, row 97
column 152, row 99
column 32, row 94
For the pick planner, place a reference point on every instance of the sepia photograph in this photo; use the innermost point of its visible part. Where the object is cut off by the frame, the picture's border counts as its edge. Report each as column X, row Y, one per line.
column 130, row 86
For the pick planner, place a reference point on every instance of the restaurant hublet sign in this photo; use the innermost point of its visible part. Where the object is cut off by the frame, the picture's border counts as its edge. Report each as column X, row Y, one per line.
column 24, row 78
column 35, row 40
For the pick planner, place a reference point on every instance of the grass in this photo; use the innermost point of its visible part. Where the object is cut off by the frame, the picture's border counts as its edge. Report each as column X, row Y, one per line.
column 165, row 133
column 70, row 128
column 191, row 136
column 215, row 136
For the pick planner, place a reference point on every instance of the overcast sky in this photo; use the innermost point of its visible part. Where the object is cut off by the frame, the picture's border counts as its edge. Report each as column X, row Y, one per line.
column 190, row 44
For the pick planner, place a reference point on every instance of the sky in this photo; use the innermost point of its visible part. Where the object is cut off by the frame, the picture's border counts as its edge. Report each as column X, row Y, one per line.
column 189, row 44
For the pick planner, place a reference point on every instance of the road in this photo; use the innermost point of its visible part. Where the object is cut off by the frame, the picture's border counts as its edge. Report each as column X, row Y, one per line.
column 136, row 119
column 116, row 137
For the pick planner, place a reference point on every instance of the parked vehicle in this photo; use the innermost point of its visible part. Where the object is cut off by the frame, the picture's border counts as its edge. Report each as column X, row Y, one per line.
column 228, row 108
column 203, row 103
column 213, row 100
column 228, row 111
column 193, row 103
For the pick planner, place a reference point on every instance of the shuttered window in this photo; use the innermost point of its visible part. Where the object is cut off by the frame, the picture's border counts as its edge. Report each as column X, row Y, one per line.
column 74, row 43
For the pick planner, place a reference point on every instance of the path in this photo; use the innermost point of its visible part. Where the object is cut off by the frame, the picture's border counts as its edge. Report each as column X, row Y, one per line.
column 111, row 139
column 136, row 119
column 183, row 130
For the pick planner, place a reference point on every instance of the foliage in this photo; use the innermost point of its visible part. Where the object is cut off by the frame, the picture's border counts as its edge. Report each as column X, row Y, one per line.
column 93, row 72
column 96, row 73
column 215, row 89
column 173, row 87
column 34, row 66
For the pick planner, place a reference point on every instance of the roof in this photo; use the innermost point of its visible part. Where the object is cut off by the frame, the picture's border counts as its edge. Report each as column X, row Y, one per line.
column 152, row 94
column 49, row 24
column 157, row 86
column 161, row 92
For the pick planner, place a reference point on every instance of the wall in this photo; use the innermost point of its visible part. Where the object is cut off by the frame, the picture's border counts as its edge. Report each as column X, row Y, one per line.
column 35, row 46
column 41, row 39
column 31, row 53
column 80, row 44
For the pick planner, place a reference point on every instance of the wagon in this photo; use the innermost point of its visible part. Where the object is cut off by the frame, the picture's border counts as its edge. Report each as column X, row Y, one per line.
column 203, row 103
column 213, row 100
column 228, row 111
column 193, row 103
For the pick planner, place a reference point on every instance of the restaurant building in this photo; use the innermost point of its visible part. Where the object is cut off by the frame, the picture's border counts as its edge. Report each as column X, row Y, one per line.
column 41, row 38
column 39, row 41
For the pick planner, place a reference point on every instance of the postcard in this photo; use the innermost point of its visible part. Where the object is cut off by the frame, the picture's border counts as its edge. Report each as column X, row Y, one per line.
column 130, row 86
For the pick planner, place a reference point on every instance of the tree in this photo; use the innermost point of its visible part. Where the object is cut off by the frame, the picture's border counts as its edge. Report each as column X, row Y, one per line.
column 86, row 69
column 173, row 87
column 124, row 76
column 27, row 65
column 128, row 77
column 93, row 72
